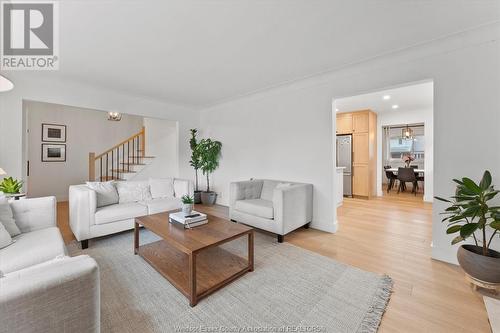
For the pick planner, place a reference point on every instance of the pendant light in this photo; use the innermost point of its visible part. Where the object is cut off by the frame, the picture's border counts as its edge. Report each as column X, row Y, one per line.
column 5, row 84
column 407, row 133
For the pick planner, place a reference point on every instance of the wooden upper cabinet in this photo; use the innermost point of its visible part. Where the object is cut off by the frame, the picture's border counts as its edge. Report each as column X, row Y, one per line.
column 344, row 123
column 360, row 122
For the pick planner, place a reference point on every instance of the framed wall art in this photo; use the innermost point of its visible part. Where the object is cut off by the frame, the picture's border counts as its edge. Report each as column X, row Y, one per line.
column 53, row 133
column 53, row 152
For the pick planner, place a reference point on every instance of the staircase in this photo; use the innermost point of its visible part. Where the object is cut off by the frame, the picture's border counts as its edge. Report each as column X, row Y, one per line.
column 121, row 162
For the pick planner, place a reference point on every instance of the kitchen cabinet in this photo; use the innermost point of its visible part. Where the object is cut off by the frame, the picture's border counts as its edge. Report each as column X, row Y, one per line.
column 362, row 125
column 344, row 123
column 360, row 147
column 361, row 180
column 360, row 122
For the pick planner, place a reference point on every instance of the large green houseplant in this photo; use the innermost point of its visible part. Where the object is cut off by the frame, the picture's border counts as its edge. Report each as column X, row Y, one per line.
column 195, row 162
column 210, row 151
column 471, row 216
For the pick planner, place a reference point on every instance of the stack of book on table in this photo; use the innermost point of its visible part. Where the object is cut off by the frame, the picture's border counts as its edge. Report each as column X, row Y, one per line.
column 188, row 221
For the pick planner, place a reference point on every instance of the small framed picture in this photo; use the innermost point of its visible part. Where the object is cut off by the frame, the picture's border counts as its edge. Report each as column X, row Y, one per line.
column 53, row 133
column 53, row 152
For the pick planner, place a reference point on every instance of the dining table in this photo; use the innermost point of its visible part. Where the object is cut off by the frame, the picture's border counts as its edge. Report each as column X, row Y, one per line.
column 395, row 170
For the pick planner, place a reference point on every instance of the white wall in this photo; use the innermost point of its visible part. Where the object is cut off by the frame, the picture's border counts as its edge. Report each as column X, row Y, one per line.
column 286, row 132
column 40, row 87
column 399, row 117
column 86, row 131
column 162, row 142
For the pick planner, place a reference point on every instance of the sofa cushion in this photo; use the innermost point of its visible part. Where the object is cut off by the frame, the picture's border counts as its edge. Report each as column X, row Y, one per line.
column 7, row 218
column 258, row 207
column 5, row 238
column 162, row 205
column 268, row 189
column 106, row 193
column 119, row 212
column 32, row 248
column 161, row 188
column 133, row 191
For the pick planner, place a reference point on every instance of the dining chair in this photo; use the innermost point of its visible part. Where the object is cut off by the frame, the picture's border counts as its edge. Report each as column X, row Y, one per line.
column 391, row 177
column 419, row 178
column 407, row 175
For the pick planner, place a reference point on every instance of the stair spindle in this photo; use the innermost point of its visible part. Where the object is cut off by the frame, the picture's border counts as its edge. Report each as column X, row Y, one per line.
column 107, row 166
column 112, row 164
column 138, row 149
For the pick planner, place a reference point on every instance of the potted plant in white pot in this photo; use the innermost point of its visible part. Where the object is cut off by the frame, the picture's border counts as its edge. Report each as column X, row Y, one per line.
column 210, row 153
column 187, row 204
column 471, row 216
column 195, row 162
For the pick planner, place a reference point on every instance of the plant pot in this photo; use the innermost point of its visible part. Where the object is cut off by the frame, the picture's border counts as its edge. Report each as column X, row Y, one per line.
column 208, row 198
column 197, row 197
column 483, row 268
column 187, row 209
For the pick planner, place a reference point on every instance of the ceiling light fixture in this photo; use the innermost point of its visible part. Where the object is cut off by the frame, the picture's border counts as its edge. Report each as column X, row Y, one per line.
column 386, row 97
column 336, row 110
column 5, row 84
column 407, row 133
column 114, row 116
column 395, row 106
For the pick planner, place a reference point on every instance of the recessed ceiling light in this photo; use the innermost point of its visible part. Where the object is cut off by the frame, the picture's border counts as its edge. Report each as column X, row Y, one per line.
column 336, row 110
column 386, row 97
column 395, row 106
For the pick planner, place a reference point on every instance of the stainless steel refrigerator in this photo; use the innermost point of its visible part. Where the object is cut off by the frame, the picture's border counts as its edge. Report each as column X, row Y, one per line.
column 344, row 159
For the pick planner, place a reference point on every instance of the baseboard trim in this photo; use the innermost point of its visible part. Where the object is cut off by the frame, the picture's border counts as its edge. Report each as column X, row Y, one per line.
column 442, row 254
column 332, row 228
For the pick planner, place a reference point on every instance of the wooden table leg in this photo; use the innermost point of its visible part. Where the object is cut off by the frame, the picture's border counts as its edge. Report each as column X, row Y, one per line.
column 192, row 280
column 250, row 251
column 136, row 237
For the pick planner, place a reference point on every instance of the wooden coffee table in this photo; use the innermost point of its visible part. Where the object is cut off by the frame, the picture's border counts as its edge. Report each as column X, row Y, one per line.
column 191, row 259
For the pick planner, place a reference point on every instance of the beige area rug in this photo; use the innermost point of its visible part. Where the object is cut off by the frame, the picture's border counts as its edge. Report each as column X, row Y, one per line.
column 291, row 290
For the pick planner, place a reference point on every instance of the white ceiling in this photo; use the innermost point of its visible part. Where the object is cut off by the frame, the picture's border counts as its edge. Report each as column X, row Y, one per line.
column 204, row 52
column 416, row 97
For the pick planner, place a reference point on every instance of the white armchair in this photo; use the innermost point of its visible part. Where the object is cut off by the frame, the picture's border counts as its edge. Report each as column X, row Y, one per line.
column 271, row 205
column 41, row 288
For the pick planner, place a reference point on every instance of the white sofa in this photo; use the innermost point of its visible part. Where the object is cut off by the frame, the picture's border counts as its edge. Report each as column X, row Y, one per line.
column 41, row 288
column 271, row 205
column 88, row 221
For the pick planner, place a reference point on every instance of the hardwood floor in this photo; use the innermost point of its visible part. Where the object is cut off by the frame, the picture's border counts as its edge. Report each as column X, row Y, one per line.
column 389, row 235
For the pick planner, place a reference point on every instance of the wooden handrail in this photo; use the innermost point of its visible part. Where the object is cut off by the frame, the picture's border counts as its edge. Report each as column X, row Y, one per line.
column 142, row 132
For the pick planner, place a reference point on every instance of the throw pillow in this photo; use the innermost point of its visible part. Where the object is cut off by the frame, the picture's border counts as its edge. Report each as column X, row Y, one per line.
column 7, row 218
column 268, row 189
column 161, row 188
column 106, row 193
column 133, row 191
column 5, row 239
